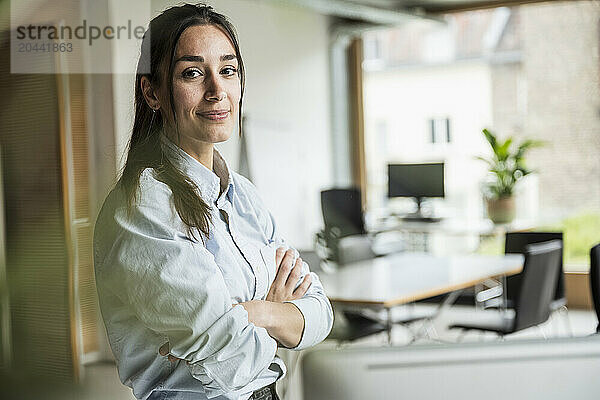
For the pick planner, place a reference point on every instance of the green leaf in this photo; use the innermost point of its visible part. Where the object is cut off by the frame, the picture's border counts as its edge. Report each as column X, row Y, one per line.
column 503, row 150
column 491, row 138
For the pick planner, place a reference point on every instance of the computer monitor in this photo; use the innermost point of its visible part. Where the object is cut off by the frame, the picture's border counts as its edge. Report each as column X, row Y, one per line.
column 416, row 180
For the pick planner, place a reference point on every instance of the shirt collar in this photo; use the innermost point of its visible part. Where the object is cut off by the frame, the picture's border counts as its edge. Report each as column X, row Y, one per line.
column 208, row 182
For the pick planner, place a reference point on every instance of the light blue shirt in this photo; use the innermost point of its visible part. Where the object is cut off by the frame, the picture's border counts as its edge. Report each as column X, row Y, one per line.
column 156, row 284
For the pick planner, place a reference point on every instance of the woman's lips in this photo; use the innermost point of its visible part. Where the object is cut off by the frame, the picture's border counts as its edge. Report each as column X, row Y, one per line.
column 214, row 115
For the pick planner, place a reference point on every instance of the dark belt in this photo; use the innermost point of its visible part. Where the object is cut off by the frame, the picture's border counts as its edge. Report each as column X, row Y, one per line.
column 265, row 393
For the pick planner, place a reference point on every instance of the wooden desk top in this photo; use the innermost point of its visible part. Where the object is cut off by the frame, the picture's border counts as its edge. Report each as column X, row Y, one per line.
column 406, row 277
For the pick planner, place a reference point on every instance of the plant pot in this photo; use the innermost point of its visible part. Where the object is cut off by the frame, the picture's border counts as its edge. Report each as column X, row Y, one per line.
column 501, row 210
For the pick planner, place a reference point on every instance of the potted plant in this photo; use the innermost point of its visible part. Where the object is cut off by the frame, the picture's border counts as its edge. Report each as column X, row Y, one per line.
column 506, row 167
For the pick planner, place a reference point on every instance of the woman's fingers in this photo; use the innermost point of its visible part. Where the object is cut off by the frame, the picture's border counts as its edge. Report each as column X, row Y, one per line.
column 287, row 275
column 294, row 275
column 284, row 269
column 279, row 253
column 303, row 287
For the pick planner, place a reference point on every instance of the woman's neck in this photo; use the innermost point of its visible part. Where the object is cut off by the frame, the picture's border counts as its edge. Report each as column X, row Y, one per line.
column 203, row 152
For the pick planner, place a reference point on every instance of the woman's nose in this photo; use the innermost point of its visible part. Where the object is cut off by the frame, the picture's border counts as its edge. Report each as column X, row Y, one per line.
column 215, row 90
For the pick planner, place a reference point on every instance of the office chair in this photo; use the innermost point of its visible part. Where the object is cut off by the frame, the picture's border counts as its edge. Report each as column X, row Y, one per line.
column 595, row 280
column 516, row 242
column 342, row 210
column 535, row 294
column 344, row 236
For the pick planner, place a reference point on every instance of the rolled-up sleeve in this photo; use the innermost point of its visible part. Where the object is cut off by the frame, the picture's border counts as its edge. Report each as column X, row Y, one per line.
column 174, row 287
column 317, row 312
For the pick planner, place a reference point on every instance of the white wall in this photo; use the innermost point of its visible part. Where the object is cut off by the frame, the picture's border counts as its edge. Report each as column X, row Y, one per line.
column 285, row 51
column 124, row 58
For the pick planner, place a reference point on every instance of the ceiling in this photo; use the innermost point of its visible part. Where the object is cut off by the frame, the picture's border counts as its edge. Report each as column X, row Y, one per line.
column 440, row 6
column 391, row 12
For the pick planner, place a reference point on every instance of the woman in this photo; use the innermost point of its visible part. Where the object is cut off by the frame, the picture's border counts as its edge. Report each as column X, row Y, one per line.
column 196, row 286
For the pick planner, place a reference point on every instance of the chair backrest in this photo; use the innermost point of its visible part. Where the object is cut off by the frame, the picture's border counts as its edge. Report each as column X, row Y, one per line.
column 516, row 242
column 342, row 210
column 595, row 280
column 540, row 272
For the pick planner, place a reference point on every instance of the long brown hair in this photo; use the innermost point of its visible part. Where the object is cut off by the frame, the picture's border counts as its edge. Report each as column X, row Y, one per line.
column 156, row 62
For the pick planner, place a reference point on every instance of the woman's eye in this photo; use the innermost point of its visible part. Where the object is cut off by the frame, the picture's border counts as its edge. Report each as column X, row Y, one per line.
column 229, row 71
column 191, row 73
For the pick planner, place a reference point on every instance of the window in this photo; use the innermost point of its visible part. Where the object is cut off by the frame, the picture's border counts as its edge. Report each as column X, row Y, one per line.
column 439, row 130
column 530, row 72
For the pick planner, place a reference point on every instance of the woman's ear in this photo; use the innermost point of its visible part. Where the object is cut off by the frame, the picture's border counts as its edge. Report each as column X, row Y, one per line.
column 149, row 93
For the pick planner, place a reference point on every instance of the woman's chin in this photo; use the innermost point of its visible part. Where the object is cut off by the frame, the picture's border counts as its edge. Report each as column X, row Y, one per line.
column 218, row 138
column 211, row 134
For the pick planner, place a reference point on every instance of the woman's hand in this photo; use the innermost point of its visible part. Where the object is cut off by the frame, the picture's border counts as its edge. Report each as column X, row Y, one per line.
column 287, row 275
column 284, row 322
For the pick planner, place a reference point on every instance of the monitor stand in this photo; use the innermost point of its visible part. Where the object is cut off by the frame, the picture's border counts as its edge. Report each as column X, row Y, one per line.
column 418, row 216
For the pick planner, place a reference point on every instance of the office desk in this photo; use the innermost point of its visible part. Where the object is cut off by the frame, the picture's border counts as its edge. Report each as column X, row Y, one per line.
column 402, row 278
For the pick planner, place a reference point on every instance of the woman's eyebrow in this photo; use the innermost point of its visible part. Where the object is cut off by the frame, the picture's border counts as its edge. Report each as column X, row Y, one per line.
column 225, row 57
column 190, row 58
column 228, row 57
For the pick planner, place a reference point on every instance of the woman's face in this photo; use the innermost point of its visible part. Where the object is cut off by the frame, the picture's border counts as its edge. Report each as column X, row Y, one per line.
column 206, row 86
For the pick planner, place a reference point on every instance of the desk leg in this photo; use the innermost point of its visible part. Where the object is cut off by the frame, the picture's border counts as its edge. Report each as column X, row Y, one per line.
column 448, row 301
column 429, row 326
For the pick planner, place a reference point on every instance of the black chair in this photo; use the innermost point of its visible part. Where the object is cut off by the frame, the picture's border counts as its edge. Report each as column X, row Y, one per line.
column 515, row 243
column 344, row 236
column 342, row 211
column 536, row 291
column 595, row 280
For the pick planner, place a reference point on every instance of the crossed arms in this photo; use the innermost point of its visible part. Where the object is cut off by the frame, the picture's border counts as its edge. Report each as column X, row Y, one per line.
column 176, row 289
